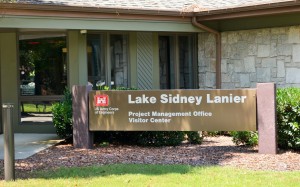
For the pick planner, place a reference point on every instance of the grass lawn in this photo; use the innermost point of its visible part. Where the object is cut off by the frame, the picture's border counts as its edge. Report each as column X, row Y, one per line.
column 157, row 175
column 32, row 108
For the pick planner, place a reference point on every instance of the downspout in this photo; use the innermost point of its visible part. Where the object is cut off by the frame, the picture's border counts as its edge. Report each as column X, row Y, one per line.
column 218, row 48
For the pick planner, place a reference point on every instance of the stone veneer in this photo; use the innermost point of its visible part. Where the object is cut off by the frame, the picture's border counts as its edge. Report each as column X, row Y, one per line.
column 251, row 56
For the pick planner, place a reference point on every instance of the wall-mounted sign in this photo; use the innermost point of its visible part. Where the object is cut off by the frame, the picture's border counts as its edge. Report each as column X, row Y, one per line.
column 173, row 110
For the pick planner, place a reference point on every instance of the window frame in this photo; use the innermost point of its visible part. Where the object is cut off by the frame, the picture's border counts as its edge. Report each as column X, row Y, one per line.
column 175, row 51
column 107, row 54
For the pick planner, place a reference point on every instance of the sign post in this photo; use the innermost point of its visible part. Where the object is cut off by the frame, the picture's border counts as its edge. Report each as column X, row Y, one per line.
column 9, row 147
column 178, row 110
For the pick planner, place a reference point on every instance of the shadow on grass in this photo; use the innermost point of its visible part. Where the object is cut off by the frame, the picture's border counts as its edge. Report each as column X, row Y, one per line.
column 113, row 170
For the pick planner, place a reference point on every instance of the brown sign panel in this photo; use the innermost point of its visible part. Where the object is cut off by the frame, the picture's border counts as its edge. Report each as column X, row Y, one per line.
column 173, row 110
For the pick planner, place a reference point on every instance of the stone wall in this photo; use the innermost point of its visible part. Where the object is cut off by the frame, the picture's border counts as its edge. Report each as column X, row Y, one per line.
column 252, row 56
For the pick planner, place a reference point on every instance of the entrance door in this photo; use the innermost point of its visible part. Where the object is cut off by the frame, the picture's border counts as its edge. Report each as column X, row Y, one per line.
column 43, row 75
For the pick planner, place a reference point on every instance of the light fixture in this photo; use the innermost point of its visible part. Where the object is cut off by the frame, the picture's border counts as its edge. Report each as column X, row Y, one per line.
column 83, row 31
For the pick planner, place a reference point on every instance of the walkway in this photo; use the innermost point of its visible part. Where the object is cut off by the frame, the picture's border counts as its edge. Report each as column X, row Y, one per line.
column 29, row 144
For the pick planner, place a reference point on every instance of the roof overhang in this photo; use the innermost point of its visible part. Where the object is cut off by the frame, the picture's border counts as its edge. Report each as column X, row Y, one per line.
column 252, row 17
column 250, row 11
column 222, row 19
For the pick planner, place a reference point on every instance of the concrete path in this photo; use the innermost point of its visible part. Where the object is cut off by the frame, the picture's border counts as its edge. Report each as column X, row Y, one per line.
column 28, row 144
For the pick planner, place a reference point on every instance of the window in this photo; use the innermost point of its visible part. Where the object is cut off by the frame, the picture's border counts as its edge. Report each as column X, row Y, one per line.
column 108, row 60
column 177, row 62
column 186, row 62
column 43, row 74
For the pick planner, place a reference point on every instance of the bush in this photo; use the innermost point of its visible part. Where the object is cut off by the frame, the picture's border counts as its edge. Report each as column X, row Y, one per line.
column 216, row 133
column 244, row 137
column 194, row 137
column 147, row 138
column 160, row 138
column 288, row 118
column 142, row 138
column 62, row 115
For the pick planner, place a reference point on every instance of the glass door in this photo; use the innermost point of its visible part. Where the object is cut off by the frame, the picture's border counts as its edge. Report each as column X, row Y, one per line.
column 43, row 75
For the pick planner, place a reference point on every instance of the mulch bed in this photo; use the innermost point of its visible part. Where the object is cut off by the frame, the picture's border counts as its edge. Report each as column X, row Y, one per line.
column 213, row 151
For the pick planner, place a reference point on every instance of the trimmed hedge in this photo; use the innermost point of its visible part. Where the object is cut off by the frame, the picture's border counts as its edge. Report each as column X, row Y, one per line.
column 148, row 138
column 288, row 119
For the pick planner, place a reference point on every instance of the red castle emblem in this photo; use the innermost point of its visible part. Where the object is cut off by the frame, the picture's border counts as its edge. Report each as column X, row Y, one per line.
column 101, row 100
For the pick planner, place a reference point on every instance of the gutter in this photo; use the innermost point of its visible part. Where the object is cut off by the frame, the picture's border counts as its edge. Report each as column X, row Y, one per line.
column 218, row 49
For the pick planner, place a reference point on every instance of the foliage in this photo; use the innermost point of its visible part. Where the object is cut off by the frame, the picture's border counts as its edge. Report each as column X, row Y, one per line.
column 62, row 115
column 147, row 138
column 160, row 138
column 216, row 133
column 194, row 137
column 288, row 118
column 245, row 137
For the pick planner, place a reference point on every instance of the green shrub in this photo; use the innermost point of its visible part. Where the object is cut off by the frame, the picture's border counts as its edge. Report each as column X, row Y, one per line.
column 288, row 118
column 160, row 138
column 194, row 137
column 62, row 115
column 148, row 138
column 216, row 133
column 244, row 137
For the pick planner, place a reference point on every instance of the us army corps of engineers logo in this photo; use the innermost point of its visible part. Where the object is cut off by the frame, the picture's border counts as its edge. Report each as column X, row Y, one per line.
column 101, row 100
column 101, row 105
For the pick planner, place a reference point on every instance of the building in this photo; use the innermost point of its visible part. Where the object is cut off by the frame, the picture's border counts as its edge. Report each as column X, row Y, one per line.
column 161, row 44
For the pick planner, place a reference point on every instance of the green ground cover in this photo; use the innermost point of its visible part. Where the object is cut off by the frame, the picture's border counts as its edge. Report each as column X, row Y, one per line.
column 158, row 175
column 33, row 108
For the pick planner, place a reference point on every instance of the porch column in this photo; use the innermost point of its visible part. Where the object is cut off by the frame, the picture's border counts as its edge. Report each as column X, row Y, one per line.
column 77, row 55
column 9, row 73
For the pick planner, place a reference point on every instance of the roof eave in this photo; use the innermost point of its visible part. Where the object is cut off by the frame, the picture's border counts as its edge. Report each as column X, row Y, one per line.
column 250, row 11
